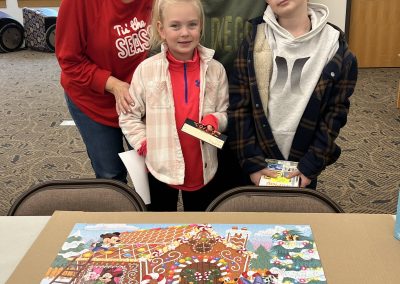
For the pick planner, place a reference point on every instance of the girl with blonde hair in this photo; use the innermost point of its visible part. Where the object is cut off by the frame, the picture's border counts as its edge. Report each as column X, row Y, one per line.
column 182, row 81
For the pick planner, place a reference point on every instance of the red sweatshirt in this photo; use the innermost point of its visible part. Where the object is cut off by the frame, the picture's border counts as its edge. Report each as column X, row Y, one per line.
column 185, row 80
column 96, row 39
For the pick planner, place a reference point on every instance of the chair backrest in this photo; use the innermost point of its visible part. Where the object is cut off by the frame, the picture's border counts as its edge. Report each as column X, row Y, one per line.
column 273, row 199
column 92, row 195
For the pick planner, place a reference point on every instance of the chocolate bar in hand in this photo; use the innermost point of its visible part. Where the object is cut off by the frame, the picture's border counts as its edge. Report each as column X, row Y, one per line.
column 200, row 131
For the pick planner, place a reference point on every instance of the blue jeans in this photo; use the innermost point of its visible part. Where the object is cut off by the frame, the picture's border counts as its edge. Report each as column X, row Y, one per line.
column 103, row 143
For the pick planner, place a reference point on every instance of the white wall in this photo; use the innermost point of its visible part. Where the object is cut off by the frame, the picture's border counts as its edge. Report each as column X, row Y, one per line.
column 337, row 10
column 14, row 11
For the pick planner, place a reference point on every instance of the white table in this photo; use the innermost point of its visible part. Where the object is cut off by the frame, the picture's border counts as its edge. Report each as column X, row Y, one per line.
column 16, row 236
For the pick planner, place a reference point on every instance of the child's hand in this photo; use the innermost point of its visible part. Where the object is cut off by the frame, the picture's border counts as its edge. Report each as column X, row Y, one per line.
column 210, row 129
column 304, row 181
column 210, row 124
column 142, row 151
column 255, row 177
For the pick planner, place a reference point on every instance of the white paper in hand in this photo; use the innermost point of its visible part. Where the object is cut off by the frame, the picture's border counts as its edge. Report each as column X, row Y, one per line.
column 136, row 167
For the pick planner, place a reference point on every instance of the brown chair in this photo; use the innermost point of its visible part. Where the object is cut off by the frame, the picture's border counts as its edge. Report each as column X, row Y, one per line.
column 273, row 199
column 93, row 195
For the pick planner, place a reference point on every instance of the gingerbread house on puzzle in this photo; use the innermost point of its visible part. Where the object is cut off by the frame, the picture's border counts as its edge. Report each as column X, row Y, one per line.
column 175, row 254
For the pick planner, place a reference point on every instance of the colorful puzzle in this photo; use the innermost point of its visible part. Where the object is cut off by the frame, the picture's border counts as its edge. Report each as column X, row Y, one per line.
column 188, row 254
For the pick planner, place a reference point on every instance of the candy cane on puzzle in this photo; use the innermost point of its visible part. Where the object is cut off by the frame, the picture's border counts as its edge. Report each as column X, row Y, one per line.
column 248, row 274
column 153, row 276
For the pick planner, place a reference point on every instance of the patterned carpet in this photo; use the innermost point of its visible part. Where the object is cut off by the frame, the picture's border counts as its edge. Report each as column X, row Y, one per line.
column 34, row 147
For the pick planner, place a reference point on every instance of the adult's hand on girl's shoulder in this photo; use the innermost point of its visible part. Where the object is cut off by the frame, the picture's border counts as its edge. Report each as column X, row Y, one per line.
column 120, row 90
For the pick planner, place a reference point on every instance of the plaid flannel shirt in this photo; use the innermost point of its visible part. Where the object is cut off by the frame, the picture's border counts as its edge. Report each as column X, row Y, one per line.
column 314, row 144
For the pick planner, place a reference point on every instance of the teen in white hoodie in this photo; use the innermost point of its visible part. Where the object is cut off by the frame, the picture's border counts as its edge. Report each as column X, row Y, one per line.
column 289, row 95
